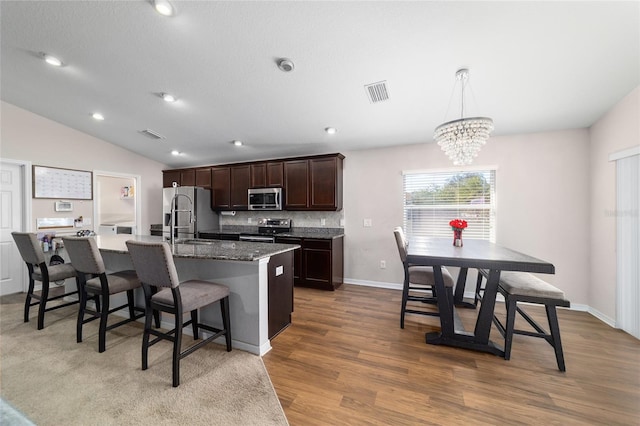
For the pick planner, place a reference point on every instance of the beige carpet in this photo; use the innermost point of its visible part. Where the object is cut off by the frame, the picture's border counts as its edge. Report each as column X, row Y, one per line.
column 53, row 380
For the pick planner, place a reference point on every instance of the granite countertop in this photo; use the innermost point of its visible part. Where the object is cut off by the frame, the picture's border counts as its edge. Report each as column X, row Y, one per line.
column 200, row 249
column 321, row 233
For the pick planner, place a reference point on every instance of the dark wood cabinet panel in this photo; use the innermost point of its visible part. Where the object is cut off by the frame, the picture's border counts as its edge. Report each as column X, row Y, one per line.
column 240, row 183
column 319, row 263
column 259, row 175
column 220, row 184
column 203, row 177
column 280, row 292
column 325, row 183
column 296, row 184
column 170, row 176
column 297, row 257
column 275, row 173
column 188, row 177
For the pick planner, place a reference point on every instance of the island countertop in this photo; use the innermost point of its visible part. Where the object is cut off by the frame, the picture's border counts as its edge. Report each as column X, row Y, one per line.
column 200, row 249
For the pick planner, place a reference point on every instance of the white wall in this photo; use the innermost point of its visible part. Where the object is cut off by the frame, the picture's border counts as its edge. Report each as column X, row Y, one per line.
column 619, row 129
column 29, row 137
column 542, row 203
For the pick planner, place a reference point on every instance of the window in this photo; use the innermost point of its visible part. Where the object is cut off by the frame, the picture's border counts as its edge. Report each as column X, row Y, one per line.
column 432, row 199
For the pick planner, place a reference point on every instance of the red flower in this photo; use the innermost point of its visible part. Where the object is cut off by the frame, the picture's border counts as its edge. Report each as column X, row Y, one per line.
column 458, row 224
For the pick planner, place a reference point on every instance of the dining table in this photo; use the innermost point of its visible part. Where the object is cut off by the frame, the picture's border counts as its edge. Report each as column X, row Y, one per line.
column 473, row 254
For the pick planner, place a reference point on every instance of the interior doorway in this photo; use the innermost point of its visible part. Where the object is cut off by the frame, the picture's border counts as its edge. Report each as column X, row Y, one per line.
column 116, row 203
column 628, row 243
column 15, row 190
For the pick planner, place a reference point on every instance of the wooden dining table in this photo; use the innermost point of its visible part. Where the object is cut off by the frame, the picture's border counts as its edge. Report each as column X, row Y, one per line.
column 474, row 254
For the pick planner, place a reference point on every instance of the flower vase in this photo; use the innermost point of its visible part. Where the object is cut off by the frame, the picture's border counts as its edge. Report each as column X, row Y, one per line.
column 457, row 237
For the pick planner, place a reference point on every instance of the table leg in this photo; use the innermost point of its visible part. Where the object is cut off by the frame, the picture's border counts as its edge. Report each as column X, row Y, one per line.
column 485, row 316
column 458, row 297
column 445, row 305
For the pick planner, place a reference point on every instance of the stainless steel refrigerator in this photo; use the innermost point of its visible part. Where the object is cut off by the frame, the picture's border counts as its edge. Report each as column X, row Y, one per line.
column 191, row 208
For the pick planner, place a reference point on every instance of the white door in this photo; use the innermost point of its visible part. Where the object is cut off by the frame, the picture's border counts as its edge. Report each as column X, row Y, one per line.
column 13, row 268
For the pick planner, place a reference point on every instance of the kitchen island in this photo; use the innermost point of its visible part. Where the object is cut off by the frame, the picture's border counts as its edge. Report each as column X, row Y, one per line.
column 259, row 277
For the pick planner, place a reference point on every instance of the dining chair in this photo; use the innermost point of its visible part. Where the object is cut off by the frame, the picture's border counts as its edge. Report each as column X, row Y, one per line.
column 154, row 264
column 33, row 255
column 419, row 282
column 94, row 280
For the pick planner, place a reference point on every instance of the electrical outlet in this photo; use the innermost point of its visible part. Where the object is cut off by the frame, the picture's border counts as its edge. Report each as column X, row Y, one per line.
column 323, row 222
column 383, row 264
column 248, row 220
column 366, row 223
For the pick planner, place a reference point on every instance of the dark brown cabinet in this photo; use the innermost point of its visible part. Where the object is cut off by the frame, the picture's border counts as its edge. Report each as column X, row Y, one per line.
column 170, row 176
column 280, row 292
column 275, row 173
column 319, row 263
column 296, row 184
column 310, row 183
column 239, row 189
column 314, row 183
column 220, row 185
column 258, row 175
column 203, row 177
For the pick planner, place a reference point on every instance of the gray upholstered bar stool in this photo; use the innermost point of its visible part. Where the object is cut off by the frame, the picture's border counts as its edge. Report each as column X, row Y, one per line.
column 33, row 256
column 155, row 267
column 93, row 280
column 419, row 282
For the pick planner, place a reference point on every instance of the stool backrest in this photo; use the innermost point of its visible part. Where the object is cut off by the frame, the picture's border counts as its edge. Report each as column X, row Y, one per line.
column 29, row 247
column 84, row 254
column 153, row 263
column 401, row 241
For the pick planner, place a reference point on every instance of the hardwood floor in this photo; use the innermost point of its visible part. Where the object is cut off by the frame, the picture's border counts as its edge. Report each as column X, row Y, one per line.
column 345, row 360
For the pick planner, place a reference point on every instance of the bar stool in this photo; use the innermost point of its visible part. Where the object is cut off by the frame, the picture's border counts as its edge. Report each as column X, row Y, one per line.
column 33, row 256
column 155, row 267
column 93, row 279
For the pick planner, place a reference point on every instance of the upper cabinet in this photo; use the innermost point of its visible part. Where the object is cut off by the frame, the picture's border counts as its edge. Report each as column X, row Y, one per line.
column 239, row 188
column 203, row 177
column 258, row 175
column 220, row 188
column 183, row 177
column 275, row 173
column 314, row 183
column 310, row 183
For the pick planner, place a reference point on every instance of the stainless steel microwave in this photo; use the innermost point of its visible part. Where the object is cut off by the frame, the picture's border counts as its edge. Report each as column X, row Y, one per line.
column 265, row 198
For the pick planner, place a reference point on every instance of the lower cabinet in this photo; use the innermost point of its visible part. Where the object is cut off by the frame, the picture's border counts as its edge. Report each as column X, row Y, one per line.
column 280, row 292
column 319, row 263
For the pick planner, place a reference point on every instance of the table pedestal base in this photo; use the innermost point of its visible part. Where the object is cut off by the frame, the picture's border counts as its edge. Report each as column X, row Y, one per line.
column 463, row 340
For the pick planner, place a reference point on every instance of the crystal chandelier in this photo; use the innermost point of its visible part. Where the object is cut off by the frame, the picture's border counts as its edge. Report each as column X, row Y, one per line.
column 462, row 139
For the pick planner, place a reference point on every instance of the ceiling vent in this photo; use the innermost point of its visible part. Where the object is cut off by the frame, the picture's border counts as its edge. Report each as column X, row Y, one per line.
column 150, row 133
column 377, row 92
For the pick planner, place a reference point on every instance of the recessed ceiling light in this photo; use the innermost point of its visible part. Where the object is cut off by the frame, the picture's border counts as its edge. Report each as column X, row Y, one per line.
column 175, row 152
column 98, row 116
column 168, row 97
column 331, row 130
column 237, row 143
column 52, row 60
column 164, row 7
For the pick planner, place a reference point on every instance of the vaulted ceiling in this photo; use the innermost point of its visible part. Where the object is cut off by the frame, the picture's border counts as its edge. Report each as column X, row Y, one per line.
column 534, row 66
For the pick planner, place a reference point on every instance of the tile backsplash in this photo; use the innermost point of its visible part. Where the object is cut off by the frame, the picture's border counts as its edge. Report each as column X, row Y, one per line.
column 298, row 219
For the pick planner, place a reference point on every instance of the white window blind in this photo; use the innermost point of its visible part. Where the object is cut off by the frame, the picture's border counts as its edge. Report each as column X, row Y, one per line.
column 432, row 199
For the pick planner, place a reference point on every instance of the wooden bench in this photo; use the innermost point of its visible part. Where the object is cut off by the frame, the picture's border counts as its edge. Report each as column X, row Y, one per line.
column 524, row 287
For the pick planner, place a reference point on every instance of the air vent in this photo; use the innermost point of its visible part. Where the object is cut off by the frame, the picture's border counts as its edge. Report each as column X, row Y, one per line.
column 377, row 92
column 150, row 133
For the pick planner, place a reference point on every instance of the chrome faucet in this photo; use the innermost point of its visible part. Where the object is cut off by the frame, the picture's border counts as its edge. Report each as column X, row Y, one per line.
column 174, row 210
